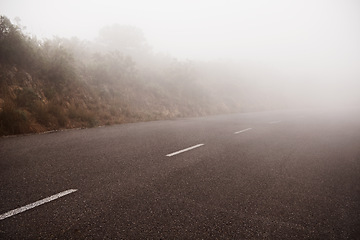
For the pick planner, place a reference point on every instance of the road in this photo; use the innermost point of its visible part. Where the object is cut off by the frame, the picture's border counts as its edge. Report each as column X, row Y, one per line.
column 265, row 175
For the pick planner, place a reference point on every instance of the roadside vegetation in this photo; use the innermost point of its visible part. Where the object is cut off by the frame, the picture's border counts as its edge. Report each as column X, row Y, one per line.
column 63, row 83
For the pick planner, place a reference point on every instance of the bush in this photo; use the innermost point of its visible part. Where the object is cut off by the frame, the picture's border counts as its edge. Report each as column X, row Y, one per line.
column 13, row 121
column 58, row 113
column 26, row 98
column 82, row 115
column 49, row 93
column 41, row 114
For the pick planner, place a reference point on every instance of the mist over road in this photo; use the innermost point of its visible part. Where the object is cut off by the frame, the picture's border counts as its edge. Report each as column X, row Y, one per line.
column 274, row 175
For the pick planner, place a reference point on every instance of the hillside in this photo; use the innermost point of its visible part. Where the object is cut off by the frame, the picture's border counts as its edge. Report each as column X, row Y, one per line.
column 68, row 83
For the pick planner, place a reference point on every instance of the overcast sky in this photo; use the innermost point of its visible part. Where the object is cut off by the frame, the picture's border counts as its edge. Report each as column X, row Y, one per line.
column 206, row 29
column 308, row 39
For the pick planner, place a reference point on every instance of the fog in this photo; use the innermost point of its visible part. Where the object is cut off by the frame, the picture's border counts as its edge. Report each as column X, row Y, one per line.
column 302, row 53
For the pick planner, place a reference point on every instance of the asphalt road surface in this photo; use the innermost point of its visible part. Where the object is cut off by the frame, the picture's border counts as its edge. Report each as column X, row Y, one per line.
column 266, row 175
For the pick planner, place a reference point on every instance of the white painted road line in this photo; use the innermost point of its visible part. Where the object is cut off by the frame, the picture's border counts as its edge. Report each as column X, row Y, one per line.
column 36, row 204
column 274, row 122
column 247, row 129
column 184, row 150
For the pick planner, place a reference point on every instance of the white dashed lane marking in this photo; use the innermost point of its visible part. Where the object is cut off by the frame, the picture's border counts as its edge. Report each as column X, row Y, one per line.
column 247, row 129
column 184, row 150
column 36, row 204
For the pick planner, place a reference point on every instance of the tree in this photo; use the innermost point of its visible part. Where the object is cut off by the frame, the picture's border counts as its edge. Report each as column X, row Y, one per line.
column 58, row 63
column 15, row 47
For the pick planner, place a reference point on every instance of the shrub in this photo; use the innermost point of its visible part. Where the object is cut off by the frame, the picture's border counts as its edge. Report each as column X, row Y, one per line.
column 13, row 121
column 26, row 97
column 49, row 93
column 82, row 115
column 58, row 112
column 41, row 114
